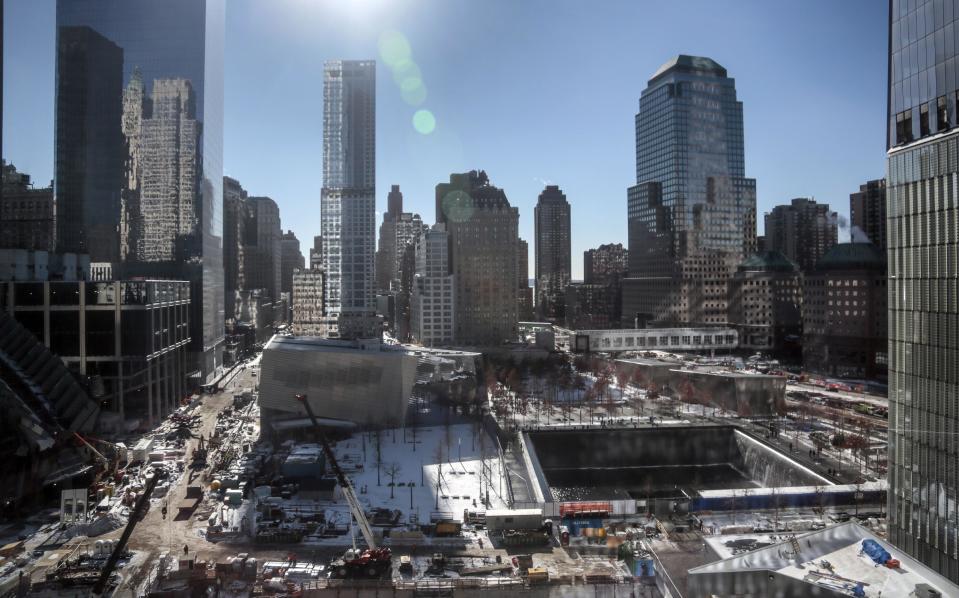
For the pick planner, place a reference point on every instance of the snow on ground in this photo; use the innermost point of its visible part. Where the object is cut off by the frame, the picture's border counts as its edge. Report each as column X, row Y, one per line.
column 451, row 455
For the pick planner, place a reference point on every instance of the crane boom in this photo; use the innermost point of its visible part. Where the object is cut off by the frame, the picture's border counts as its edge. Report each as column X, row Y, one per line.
column 138, row 510
column 341, row 478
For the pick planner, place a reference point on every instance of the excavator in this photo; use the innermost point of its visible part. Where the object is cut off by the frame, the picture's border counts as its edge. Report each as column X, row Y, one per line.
column 371, row 562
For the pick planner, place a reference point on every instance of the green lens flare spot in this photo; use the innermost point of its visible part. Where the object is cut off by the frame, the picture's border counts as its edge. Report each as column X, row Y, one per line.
column 424, row 122
column 405, row 69
column 413, row 91
column 394, row 48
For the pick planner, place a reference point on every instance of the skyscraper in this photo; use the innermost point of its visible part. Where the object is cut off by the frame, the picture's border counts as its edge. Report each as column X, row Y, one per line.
column 552, row 231
column 524, row 294
column 803, row 231
column 139, row 137
column 921, row 199
column 348, row 201
column 867, row 214
column 483, row 232
column 89, row 147
column 316, row 253
column 386, row 248
column 291, row 259
column 432, row 305
column 692, row 212
column 261, row 253
column 397, row 230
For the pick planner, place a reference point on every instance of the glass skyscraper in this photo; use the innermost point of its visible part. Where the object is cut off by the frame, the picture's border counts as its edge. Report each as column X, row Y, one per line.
column 139, row 136
column 348, row 201
column 692, row 212
column 922, row 209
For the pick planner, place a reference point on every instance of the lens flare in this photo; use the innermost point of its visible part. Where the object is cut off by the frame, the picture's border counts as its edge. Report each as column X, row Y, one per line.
column 413, row 91
column 394, row 48
column 424, row 122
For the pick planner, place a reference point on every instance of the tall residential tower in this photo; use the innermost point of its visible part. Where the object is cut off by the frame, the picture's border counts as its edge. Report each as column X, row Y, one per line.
column 348, row 201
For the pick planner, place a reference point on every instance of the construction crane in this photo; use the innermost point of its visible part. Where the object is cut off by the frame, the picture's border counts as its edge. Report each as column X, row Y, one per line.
column 374, row 561
column 139, row 510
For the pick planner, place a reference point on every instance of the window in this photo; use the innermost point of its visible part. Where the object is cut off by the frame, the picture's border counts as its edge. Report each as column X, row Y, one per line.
column 942, row 114
column 923, row 120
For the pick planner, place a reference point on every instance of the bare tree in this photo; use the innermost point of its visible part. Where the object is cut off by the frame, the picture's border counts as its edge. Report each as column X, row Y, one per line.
column 392, row 469
column 438, row 458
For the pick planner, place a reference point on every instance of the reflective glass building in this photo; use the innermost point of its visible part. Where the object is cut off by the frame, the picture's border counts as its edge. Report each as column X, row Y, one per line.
column 692, row 213
column 348, row 201
column 922, row 209
column 139, row 136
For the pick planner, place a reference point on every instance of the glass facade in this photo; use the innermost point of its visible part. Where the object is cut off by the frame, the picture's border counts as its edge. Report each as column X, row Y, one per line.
column 139, row 136
column 922, row 214
column 348, row 201
column 923, row 68
column 922, row 209
column 692, row 213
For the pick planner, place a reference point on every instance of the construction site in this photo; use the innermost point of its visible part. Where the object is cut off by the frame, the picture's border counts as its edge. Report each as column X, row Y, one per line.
column 564, row 478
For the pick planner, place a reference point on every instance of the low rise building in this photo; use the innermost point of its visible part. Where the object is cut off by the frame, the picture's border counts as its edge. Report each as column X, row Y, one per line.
column 27, row 214
column 361, row 381
column 128, row 339
column 840, row 560
column 593, row 306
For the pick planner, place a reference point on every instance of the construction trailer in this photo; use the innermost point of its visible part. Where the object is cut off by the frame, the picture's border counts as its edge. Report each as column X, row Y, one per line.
column 498, row 520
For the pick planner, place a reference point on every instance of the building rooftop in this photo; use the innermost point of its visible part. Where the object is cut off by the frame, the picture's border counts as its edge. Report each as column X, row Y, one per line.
column 690, row 64
column 852, row 256
column 839, row 546
column 768, row 261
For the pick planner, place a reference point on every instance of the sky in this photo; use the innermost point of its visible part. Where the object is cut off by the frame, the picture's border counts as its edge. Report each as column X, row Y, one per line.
column 534, row 92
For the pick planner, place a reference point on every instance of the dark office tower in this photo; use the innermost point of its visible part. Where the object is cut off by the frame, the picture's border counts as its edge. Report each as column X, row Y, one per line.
column 394, row 201
column 483, row 233
column 89, row 143
column 692, row 212
column 921, row 195
column 551, row 221
column 291, row 259
column 803, row 231
column 867, row 214
column 234, row 227
column 386, row 248
column 139, row 137
column 348, row 201
column 261, row 251
column 316, row 253
column 524, row 294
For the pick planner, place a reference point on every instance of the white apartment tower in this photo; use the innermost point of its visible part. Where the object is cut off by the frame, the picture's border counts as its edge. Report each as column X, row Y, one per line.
column 432, row 305
column 348, row 201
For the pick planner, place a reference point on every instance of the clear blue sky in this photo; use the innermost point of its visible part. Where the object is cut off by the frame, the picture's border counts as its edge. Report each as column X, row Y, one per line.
column 532, row 91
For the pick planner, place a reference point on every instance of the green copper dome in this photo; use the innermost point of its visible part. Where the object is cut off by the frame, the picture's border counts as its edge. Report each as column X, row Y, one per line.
column 852, row 256
column 769, row 261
